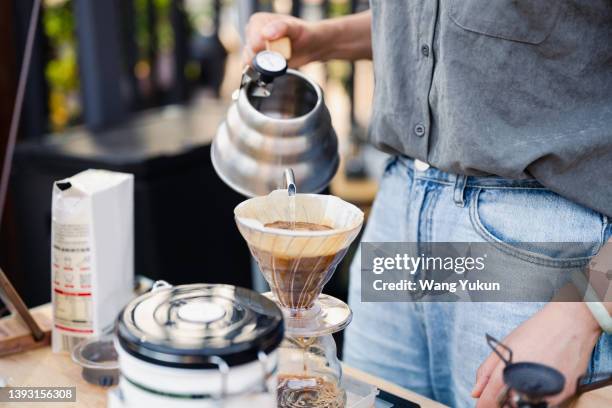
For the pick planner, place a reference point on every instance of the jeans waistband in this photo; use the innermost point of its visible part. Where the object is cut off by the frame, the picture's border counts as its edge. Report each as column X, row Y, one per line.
column 444, row 177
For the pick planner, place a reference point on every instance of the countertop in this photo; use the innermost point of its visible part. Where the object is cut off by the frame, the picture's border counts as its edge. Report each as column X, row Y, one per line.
column 41, row 367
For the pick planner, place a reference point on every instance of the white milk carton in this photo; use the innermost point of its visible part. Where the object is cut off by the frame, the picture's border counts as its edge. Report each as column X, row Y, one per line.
column 92, row 254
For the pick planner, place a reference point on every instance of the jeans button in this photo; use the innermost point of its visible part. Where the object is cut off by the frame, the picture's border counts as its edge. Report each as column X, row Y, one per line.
column 419, row 130
column 420, row 165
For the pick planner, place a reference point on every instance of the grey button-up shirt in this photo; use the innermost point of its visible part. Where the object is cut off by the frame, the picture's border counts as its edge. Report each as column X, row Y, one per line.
column 514, row 88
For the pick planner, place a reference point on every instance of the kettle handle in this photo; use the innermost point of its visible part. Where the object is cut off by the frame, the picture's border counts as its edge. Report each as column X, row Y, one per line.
column 281, row 45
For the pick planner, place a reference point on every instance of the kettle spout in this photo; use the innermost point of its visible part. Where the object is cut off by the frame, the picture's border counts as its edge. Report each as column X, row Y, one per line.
column 289, row 181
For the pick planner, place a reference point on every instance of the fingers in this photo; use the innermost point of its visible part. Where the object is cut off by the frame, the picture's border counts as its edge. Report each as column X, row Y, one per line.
column 275, row 30
column 264, row 27
column 286, row 27
column 254, row 39
column 483, row 374
column 481, row 382
column 492, row 389
column 247, row 55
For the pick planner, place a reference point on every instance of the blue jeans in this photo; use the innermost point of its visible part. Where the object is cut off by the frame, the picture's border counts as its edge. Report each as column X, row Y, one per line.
column 436, row 348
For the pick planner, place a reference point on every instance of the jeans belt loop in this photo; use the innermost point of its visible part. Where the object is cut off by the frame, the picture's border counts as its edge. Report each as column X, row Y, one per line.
column 459, row 191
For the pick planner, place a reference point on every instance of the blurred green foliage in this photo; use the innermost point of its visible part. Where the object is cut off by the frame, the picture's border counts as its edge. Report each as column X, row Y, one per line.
column 339, row 70
column 141, row 26
column 61, row 70
column 164, row 34
column 339, row 8
column 163, row 28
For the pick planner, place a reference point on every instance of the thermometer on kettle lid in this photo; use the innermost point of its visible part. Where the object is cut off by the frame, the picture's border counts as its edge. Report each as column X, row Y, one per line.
column 269, row 65
column 266, row 66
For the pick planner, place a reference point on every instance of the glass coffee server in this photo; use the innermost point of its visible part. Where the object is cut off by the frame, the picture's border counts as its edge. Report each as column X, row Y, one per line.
column 298, row 240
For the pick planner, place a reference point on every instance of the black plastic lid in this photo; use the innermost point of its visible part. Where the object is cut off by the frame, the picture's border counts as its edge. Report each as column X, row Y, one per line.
column 184, row 326
column 533, row 379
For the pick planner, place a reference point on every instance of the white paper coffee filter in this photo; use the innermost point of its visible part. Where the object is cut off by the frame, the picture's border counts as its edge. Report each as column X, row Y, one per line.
column 344, row 218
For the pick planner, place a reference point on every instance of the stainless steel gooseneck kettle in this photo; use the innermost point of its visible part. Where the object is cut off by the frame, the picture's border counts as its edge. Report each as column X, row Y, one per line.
column 278, row 120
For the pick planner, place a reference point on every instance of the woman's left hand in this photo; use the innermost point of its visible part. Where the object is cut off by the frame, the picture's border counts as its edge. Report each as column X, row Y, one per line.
column 561, row 335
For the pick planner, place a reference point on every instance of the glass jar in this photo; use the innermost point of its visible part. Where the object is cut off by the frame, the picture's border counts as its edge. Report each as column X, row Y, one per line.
column 198, row 345
column 309, row 373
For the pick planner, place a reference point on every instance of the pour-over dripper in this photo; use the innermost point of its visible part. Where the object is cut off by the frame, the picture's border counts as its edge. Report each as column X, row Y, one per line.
column 297, row 263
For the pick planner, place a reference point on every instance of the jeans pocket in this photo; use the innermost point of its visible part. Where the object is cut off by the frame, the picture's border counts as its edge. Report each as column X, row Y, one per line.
column 601, row 358
column 390, row 164
column 537, row 225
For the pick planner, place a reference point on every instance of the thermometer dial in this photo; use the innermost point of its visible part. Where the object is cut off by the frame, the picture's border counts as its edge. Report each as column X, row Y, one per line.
column 270, row 64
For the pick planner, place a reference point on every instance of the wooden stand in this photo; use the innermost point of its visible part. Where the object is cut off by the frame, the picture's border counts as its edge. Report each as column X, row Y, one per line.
column 22, row 330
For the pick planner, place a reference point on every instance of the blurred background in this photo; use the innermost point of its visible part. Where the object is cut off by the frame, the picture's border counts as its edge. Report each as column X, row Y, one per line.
column 140, row 86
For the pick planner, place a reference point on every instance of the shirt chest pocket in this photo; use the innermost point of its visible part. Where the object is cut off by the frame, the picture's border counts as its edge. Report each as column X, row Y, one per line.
column 526, row 21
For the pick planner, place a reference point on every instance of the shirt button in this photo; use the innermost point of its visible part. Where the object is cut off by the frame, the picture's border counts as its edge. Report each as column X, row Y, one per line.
column 419, row 130
column 425, row 50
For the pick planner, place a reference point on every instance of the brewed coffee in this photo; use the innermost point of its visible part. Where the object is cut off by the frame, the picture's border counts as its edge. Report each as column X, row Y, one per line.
column 306, row 391
column 297, row 282
column 297, row 226
column 298, row 240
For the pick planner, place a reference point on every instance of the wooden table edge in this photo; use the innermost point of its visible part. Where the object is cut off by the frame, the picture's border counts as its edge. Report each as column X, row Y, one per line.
column 390, row 387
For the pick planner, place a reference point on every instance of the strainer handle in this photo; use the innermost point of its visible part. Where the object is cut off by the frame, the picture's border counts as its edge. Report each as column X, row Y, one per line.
column 494, row 344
